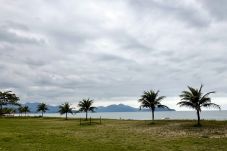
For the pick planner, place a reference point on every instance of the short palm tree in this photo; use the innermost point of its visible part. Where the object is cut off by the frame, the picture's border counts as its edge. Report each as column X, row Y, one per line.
column 65, row 109
column 86, row 105
column 151, row 100
column 20, row 110
column 195, row 99
column 26, row 109
column 42, row 107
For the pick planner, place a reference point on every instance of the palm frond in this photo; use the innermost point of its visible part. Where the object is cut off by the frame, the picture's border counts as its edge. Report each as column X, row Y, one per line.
column 200, row 89
column 205, row 98
column 163, row 106
column 213, row 105
column 160, row 98
column 186, row 104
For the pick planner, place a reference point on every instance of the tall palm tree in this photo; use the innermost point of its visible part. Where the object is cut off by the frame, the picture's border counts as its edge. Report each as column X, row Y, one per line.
column 42, row 107
column 65, row 109
column 86, row 105
column 195, row 99
column 151, row 100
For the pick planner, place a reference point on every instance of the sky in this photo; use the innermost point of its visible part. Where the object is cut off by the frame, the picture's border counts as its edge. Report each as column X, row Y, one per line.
column 55, row 51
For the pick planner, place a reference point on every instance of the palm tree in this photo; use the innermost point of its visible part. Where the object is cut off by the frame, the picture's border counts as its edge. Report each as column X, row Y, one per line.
column 42, row 107
column 65, row 109
column 25, row 109
column 195, row 99
column 20, row 110
column 86, row 106
column 151, row 100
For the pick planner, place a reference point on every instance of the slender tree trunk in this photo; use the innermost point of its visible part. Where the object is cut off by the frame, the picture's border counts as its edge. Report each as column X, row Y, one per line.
column 66, row 116
column 86, row 115
column 153, row 115
column 42, row 113
column 198, row 115
column 0, row 109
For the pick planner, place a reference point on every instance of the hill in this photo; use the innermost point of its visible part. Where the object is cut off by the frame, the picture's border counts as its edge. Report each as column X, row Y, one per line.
column 109, row 108
column 126, row 108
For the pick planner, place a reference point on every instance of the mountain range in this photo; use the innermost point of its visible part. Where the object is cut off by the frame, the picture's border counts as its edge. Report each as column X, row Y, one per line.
column 126, row 108
column 109, row 108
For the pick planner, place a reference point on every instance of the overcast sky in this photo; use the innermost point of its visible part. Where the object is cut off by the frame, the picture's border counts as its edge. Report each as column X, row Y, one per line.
column 111, row 51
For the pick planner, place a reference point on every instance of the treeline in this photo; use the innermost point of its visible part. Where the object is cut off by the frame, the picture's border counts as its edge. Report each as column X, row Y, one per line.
column 192, row 98
column 9, row 105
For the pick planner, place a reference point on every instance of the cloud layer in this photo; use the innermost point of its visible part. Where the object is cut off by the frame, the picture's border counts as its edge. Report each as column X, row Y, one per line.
column 57, row 51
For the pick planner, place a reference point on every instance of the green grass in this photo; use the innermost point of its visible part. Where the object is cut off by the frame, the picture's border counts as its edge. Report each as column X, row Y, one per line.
column 56, row 134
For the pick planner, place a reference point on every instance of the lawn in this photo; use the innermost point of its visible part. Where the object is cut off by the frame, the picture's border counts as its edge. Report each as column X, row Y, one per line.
column 57, row 134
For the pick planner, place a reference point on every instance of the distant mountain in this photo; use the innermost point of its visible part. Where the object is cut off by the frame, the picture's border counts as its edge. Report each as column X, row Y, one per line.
column 116, row 108
column 126, row 108
column 33, row 108
column 110, row 108
column 157, row 110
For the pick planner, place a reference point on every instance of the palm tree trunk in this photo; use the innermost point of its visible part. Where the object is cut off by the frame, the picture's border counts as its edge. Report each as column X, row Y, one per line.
column 1, row 110
column 66, row 116
column 42, row 113
column 153, row 115
column 198, row 115
column 86, row 115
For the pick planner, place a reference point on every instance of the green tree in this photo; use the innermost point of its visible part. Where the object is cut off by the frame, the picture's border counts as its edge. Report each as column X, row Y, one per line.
column 24, row 109
column 8, row 110
column 65, row 109
column 151, row 100
column 195, row 99
column 86, row 105
column 20, row 110
column 7, row 98
column 42, row 107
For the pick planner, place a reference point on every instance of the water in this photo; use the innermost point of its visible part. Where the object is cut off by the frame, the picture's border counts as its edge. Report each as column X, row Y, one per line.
column 209, row 115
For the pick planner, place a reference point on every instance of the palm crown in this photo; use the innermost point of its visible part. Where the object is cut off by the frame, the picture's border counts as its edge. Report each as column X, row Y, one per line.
column 42, row 107
column 25, row 109
column 86, row 105
column 195, row 99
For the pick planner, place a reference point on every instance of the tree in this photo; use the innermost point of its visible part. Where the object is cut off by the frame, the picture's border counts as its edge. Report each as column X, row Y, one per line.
column 86, row 105
column 195, row 99
column 7, row 98
column 26, row 109
column 151, row 100
column 65, row 109
column 20, row 110
column 23, row 109
column 42, row 107
column 8, row 111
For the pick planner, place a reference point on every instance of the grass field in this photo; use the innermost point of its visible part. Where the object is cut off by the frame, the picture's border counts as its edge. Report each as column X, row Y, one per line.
column 56, row 134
